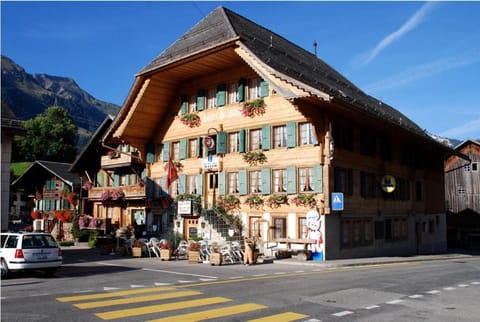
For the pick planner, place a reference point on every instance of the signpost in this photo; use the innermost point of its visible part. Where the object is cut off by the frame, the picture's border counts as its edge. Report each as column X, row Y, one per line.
column 337, row 201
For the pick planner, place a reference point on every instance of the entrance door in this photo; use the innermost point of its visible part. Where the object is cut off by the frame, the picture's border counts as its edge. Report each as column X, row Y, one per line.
column 190, row 228
column 211, row 178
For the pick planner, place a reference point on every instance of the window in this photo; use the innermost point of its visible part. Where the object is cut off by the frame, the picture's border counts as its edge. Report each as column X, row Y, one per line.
column 343, row 136
column 255, row 139
column 255, row 182
column 280, row 180
column 233, row 142
column 368, row 185
column 254, row 89
column 279, row 227
column 402, row 192
column 368, row 143
column 192, row 148
column 396, row 229
column 356, row 232
column 255, row 227
column 306, row 177
column 386, row 149
column 466, row 168
column 175, row 151
column 279, row 136
column 192, row 104
column 307, row 134
column 474, row 166
column 460, row 189
column 232, row 93
column 418, row 191
column 212, row 98
column 233, row 182
column 343, row 180
column 192, row 185
column 302, row 228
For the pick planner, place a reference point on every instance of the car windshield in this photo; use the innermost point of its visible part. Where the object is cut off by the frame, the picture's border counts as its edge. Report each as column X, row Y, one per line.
column 38, row 241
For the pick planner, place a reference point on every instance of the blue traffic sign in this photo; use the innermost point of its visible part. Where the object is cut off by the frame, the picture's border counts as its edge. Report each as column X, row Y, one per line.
column 337, row 201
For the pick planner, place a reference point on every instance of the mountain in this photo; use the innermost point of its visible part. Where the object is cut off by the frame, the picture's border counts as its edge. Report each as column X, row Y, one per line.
column 31, row 94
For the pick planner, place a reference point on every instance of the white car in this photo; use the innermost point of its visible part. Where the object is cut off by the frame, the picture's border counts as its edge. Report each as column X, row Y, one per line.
column 29, row 251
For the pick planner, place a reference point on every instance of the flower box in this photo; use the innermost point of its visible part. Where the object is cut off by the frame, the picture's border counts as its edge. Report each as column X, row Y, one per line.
column 193, row 256
column 165, row 254
column 216, row 259
column 137, row 251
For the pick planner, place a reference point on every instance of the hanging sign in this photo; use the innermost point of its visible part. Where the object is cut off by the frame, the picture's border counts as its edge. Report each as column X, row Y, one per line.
column 184, row 207
column 209, row 142
column 388, row 183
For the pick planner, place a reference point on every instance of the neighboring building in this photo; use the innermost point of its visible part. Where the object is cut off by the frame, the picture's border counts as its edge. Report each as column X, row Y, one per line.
column 253, row 118
column 11, row 126
column 113, row 192
column 462, row 189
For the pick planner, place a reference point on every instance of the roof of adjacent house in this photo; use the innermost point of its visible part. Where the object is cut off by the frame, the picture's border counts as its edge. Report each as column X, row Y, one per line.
column 284, row 57
column 40, row 171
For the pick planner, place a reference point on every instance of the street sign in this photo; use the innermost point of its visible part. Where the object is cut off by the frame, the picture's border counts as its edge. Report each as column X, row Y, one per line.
column 337, row 201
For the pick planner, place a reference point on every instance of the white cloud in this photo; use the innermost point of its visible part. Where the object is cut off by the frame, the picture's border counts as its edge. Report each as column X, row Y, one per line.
column 411, row 23
column 423, row 71
column 471, row 130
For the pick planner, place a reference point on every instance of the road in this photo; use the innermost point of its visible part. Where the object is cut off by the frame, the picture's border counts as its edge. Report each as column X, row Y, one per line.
column 102, row 287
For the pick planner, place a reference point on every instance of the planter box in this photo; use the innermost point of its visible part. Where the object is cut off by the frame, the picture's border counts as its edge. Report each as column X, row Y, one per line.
column 216, row 259
column 165, row 254
column 137, row 251
column 193, row 256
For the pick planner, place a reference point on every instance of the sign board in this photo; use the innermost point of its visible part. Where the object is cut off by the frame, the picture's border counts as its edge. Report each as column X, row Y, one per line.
column 388, row 183
column 184, row 207
column 211, row 163
column 337, row 201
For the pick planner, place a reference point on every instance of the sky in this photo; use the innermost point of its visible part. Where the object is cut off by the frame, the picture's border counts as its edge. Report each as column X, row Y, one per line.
column 422, row 58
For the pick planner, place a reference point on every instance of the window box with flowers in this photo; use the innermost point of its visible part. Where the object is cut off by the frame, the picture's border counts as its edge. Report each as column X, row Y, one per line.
column 117, row 194
column 63, row 216
column 305, row 200
column 190, row 119
column 255, row 157
column 276, row 201
column 228, row 202
column 178, row 165
column 254, row 201
column 105, row 195
column 253, row 108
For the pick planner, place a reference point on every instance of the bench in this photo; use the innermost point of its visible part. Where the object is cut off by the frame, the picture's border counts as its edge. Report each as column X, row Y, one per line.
column 286, row 247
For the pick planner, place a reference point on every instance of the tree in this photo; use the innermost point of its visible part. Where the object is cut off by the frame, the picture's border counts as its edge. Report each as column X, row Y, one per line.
column 50, row 136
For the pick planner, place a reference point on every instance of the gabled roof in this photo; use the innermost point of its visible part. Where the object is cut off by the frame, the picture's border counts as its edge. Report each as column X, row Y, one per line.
column 460, row 146
column 273, row 57
column 40, row 171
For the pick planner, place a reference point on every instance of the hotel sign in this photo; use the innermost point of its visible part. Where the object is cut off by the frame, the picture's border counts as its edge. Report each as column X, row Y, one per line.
column 211, row 163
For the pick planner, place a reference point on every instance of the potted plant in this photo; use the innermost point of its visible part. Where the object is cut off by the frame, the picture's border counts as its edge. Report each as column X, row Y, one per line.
column 165, row 250
column 275, row 201
column 254, row 201
column 305, row 200
column 255, row 157
column 190, row 119
column 253, row 108
column 215, row 256
column 194, row 252
column 137, row 248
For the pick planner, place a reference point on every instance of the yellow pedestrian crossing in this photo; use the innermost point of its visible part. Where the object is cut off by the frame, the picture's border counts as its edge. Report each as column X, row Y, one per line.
column 142, row 296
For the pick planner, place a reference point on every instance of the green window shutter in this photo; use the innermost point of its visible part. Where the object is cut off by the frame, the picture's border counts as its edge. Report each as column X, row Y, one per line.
column 166, row 151
column 200, row 184
column 201, row 100
column 291, row 134
column 99, row 180
column 184, row 104
column 291, row 179
column 199, row 147
column 133, row 179
column 127, row 180
column 241, row 90
column 116, row 180
column 314, row 136
column 266, row 131
column 150, row 152
column 163, row 185
column 149, row 187
column 242, row 141
column 266, row 174
column 318, row 177
column 221, row 146
column 263, row 88
column 183, row 149
column 182, row 183
column 221, row 94
column 242, row 181
column 143, row 175
column 222, row 189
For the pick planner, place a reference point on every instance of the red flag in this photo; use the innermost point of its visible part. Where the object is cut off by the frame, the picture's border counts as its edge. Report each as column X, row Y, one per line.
column 172, row 174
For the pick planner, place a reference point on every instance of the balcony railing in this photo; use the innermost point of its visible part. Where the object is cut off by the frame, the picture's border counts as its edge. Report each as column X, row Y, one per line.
column 133, row 191
column 117, row 159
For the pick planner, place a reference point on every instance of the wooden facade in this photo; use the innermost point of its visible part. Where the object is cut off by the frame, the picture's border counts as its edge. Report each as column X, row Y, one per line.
column 314, row 133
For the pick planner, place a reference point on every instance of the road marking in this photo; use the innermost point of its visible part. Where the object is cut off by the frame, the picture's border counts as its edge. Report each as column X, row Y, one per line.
column 475, row 283
column 137, row 299
column 462, row 285
column 371, row 307
column 162, row 284
column 137, row 286
column 416, row 296
column 177, row 273
column 112, row 294
column 433, row 292
column 281, row 317
column 211, row 314
column 395, row 301
column 343, row 313
column 110, row 315
column 185, row 281
column 449, row 288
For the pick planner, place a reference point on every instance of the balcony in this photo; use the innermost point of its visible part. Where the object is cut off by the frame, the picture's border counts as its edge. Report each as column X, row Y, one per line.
column 130, row 192
column 119, row 159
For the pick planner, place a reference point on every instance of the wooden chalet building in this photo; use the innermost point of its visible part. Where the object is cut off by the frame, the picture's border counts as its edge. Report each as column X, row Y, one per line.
column 462, row 190
column 268, row 130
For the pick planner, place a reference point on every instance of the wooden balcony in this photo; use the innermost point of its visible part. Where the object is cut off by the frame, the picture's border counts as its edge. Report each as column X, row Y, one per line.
column 133, row 191
column 118, row 160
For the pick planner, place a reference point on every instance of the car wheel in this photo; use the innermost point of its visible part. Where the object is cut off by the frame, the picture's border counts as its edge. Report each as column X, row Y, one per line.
column 4, row 268
column 50, row 271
